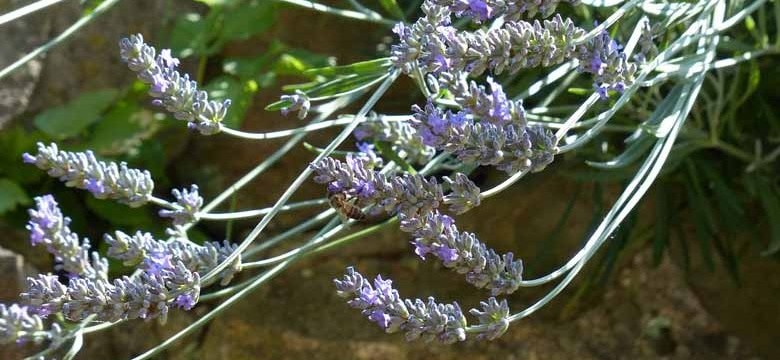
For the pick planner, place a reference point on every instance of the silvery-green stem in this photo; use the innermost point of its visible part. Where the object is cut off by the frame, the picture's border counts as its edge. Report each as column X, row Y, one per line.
column 80, row 23
column 338, row 12
column 305, row 174
column 26, row 10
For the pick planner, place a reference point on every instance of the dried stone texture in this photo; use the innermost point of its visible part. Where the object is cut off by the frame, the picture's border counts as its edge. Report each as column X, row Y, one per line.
column 89, row 60
column 13, row 275
column 14, row 271
column 19, row 37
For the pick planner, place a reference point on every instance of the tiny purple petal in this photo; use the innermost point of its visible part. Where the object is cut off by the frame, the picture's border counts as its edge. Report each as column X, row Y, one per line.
column 157, row 262
column 421, row 249
column 185, row 301
column 380, row 318
column 446, row 254
column 28, row 159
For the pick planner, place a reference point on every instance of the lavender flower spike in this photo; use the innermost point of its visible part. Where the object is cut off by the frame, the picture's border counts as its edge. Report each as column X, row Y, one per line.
column 47, row 226
column 146, row 296
column 382, row 304
column 143, row 249
column 512, row 10
column 188, row 202
column 105, row 180
column 511, row 146
column 174, row 91
column 437, row 235
column 408, row 194
column 19, row 325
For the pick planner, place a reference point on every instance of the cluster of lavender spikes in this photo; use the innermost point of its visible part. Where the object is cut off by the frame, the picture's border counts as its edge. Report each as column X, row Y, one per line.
column 172, row 90
column 165, row 279
column 402, row 137
column 49, row 227
column 142, row 249
column 434, row 46
column 18, row 325
column 512, row 10
column 188, row 203
column 433, row 232
column 382, row 304
column 104, row 180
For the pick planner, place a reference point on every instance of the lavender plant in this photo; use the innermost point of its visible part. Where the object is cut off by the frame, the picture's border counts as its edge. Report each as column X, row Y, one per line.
column 410, row 170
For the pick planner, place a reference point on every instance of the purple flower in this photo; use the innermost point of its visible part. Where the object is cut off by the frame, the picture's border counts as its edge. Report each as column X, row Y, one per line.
column 380, row 318
column 49, row 227
column 596, row 64
column 465, row 254
column 157, row 262
column 144, row 296
column 446, row 255
column 186, row 301
column 427, row 320
column 421, row 248
column 28, row 159
column 480, row 9
column 500, row 113
column 143, row 248
column 500, row 139
column 171, row 89
column 103, row 179
column 602, row 90
column 298, row 102
column 406, row 193
column 167, row 60
column 20, row 324
column 95, row 186
column 188, row 203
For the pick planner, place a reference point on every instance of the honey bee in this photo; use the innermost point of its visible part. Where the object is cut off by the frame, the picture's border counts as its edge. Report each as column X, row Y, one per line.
column 345, row 206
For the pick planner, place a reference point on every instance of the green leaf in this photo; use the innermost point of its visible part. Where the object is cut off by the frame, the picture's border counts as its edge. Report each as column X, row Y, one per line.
column 244, row 21
column 240, row 93
column 702, row 215
column 72, row 118
column 122, row 129
column 279, row 105
column 192, row 34
column 297, row 62
column 11, row 196
column 391, row 6
column 14, row 142
column 630, row 155
column 770, row 199
column 376, row 66
column 340, row 86
column 251, row 68
column 122, row 215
